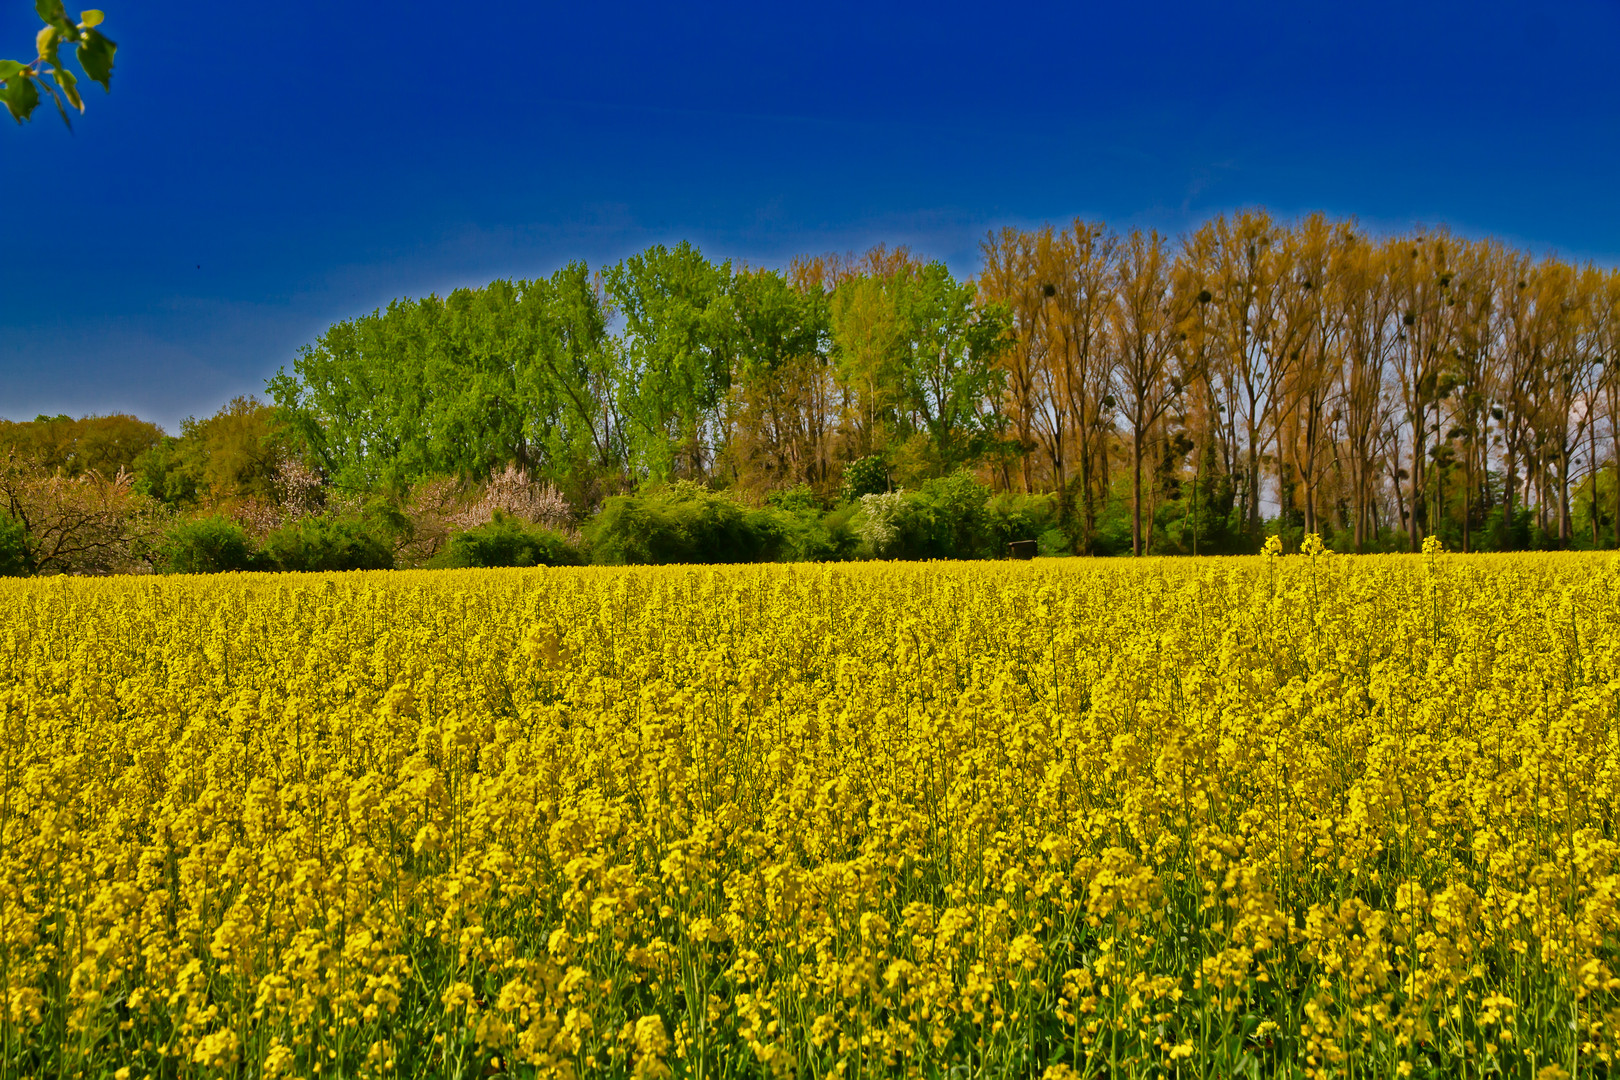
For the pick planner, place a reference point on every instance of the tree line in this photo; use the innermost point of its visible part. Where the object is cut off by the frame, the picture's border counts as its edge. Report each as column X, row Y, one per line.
column 1090, row 390
column 1178, row 393
column 665, row 366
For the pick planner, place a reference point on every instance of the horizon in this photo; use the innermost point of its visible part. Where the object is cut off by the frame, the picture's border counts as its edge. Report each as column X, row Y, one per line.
column 220, row 214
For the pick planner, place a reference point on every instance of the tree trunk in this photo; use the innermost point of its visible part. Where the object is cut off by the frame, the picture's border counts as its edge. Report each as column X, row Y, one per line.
column 1136, row 490
column 1192, row 501
column 1251, row 485
column 1510, row 481
column 1358, row 496
column 1402, row 516
column 1468, row 483
column 1419, row 438
column 1614, row 431
column 1564, row 529
column 1153, row 507
column 1592, row 461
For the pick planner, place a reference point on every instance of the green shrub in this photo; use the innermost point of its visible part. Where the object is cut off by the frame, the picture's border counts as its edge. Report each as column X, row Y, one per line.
column 15, row 560
column 384, row 518
column 794, row 500
column 1054, row 542
column 506, row 541
column 324, row 543
column 805, row 535
column 1012, row 516
column 886, row 523
column 207, row 545
column 864, row 476
column 840, row 526
column 945, row 519
column 680, row 523
column 960, row 523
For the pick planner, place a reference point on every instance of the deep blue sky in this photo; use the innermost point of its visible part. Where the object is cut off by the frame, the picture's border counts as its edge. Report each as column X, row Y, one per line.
column 260, row 171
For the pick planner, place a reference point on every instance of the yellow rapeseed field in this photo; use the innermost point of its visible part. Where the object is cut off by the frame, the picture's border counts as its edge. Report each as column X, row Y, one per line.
column 1299, row 815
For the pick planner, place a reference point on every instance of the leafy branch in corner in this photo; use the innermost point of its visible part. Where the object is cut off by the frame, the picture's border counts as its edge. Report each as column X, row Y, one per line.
column 21, row 84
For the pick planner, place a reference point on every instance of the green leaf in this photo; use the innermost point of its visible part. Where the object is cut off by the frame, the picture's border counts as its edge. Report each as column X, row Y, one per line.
column 96, row 57
column 56, row 99
column 9, row 68
column 47, row 42
column 56, row 15
column 70, row 86
column 90, row 18
column 20, row 96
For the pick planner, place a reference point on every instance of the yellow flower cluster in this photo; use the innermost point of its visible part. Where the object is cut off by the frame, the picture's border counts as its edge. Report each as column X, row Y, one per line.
column 1320, row 814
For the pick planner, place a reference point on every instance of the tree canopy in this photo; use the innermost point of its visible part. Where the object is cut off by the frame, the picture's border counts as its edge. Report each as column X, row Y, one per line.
column 1300, row 371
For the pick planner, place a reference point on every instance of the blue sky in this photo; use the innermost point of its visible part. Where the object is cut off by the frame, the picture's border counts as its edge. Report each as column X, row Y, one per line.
column 260, row 171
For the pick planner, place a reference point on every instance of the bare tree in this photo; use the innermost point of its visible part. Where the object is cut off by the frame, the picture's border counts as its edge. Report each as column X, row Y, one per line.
column 84, row 524
column 1423, row 283
column 1144, row 330
column 1366, row 304
column 1080, row 268
column 1250, row 278
column 1011, row 276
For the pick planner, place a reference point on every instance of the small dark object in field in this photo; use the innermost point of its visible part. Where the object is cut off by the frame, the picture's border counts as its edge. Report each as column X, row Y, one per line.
column 1022, row 549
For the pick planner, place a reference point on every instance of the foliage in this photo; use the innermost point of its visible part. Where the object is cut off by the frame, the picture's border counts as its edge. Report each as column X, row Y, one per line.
column 682, row 522
column 21, row 83
column 679, row 523
column 679, row 345
column 772, row 433
column 236, row 452
column 242, row 452
column 161, row 473
column 507, row 541
column 946, row 519
column 15, row 558
column 84, row 524
column 206, row 545
column 510, row 374
column 918, row 354
column 864, row 476
column 329, row 543
column 1009, row 516
column 1596, row 503
column 1412, row 385
column 60, row 444
column 794, row 500
column 961, row 524
column 795, row 531
column 1286, row 816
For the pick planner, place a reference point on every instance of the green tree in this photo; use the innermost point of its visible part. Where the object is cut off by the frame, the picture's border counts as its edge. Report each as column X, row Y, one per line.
column 679, row 344
column 15, row 558
column 209, row 545
column 21, row 83
column 917, row 354
column 60, row 444
column 777, row 434
column 237, row 452
column 517, row 372
column 870, row 341
column 507, row 541
column 952, row 379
